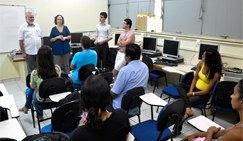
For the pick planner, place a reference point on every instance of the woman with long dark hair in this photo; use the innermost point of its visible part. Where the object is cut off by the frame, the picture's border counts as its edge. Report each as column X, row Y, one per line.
column 100, row 124
column 45, row 69
column 207, row 73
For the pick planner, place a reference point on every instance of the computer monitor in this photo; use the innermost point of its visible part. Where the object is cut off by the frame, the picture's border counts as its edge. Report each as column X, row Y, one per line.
column 204, row 46
column 116, row 38
column 75, row 37
column 149, row 44
column 171, row 48
column 46, row 41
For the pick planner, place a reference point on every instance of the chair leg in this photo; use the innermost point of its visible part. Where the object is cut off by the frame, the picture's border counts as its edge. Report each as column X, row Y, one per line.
column 205, row 114
column 152, row 115
column 214, row 113
column 38, row 120
column 139, row 120
column 33, row 115
column 155, row 83
column 166, row 81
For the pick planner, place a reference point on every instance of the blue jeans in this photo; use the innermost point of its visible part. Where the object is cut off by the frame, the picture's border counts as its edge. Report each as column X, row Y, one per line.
column 40, row 106
column 29, row 94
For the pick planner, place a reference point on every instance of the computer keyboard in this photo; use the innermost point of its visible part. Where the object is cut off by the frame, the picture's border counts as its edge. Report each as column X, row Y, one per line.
column 160, row 62
column 194, row 68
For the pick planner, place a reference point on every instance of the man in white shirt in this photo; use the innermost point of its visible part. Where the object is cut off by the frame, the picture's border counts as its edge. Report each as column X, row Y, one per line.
column 30, row 40
column 126, row 38
column 104, row 35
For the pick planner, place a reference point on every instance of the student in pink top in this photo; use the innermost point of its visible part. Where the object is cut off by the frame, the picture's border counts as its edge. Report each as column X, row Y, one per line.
column 127, row 37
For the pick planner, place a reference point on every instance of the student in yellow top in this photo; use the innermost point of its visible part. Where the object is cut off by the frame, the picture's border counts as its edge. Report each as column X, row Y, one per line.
column 233, row 133
column 207, row 73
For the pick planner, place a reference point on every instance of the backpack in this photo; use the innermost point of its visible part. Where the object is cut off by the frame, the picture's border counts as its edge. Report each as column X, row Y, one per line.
column 49, row 136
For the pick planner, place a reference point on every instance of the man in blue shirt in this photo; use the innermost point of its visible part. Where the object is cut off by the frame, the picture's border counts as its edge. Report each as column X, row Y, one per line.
column 134, row 74
column 80, row 59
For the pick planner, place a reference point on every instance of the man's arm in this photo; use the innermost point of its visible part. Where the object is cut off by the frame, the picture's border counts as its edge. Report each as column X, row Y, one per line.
column 21, row 45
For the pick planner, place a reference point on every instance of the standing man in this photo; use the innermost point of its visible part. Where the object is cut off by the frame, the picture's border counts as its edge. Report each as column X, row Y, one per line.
column 104, row 35
column 30, row 40
column 127, row 37
column 134, row 74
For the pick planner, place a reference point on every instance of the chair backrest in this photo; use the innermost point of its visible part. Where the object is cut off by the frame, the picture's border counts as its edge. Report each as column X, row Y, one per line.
column 52, row 86
column 50, row 136
column 148, row 61
column 85, row 71
column 187, row 78
column 27, row 80
column 131, row 99
column 3, row 114
column 108, row 76
column 66, row 117
column 171, row 114
column 223, row 93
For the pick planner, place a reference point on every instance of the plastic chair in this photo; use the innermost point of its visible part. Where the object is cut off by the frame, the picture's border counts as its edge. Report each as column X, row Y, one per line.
column 153, row 74
column 51, row 136
column 65, row 118
column 152, row 130
column 131, row 102
column 222, row 101
column 172, row 90
column 108, row 76
column 83, row 73
column 50, row 87
column 209, row 103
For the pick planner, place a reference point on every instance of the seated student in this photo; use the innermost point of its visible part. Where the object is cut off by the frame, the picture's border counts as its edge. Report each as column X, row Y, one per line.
column 80, row 59
column 233, row 133
column 207, row 73
column 100, row 124
column 134, row 74
column 45, row 70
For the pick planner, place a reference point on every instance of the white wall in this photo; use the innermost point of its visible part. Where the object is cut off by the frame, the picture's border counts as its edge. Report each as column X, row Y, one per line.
column 79, row 15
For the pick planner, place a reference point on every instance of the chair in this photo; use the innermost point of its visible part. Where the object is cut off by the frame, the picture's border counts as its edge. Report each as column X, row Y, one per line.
column 152, row 130
column 65, row 118
column 153, row 74
column 51, row 136
column 172, row 90
column 222, row 100
column 83, row 73
column 209, row 103
column 50, row 87
column 108, row 76
column 131, row 102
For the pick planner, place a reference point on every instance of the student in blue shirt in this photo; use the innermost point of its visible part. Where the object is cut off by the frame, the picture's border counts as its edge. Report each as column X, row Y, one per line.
column 60, row 38
column 87, row 56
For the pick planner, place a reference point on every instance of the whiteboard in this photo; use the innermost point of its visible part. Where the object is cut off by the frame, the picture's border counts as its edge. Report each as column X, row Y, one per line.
column 11, row 17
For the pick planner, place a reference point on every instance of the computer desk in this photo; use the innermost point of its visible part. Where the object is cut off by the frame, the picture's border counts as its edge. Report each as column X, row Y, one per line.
column 181, row 69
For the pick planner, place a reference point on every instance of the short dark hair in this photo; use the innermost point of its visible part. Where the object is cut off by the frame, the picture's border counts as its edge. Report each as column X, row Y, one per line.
column 95, row 96
column 55, row 19
column 240, row 85
column 134, row 51
column 85, row 41
column 104, row 14
column 129, row 22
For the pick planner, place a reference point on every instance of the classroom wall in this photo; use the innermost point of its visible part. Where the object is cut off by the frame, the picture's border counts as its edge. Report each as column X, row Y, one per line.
column 79, row 15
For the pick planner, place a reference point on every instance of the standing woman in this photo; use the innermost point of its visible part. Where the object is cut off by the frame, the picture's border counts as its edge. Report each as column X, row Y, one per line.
column 60, row 38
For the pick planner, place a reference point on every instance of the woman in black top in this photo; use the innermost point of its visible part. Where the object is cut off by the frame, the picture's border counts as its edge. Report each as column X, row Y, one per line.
column 100, row 124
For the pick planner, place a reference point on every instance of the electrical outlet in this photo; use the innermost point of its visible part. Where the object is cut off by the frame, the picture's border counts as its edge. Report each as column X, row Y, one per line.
column 174, row 38
column 197, row 42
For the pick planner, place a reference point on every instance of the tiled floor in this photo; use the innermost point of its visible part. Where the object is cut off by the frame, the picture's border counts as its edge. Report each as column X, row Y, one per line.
column 17, row 87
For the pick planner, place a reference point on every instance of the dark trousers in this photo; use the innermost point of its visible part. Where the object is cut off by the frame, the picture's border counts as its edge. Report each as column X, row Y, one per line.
column 191, row 101
column 31, row 63
column 102, row 52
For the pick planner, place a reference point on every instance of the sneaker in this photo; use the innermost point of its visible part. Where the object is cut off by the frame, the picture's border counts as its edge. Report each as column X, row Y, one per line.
column 24, row 110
